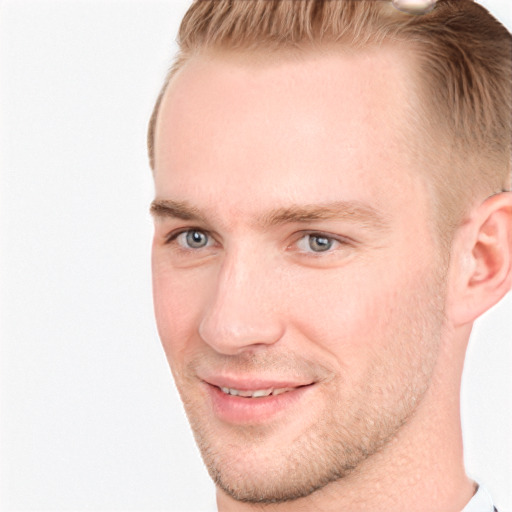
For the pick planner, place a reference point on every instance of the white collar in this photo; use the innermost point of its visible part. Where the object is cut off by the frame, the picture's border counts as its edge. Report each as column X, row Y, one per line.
column 480, row 502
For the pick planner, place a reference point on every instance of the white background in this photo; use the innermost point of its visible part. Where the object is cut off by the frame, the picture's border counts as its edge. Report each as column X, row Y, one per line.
column 89, row 418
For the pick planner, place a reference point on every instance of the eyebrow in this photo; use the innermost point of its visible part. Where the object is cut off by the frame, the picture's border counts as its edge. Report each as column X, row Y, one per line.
column 352, row 211
column 166, row 208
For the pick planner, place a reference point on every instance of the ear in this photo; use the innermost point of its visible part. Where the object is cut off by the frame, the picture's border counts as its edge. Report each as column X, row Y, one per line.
column 481, row 266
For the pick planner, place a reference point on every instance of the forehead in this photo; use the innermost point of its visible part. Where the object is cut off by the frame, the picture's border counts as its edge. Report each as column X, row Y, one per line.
column 315, row 122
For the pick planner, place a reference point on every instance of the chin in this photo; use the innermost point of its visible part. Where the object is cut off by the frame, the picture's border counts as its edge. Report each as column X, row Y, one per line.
column 265, row 482
column 274, row 464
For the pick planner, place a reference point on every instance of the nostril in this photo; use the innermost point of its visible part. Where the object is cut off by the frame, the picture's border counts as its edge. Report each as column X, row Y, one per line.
column 233, row 332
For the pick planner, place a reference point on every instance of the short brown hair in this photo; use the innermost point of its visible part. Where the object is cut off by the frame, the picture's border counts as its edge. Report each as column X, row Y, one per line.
column 463, row 56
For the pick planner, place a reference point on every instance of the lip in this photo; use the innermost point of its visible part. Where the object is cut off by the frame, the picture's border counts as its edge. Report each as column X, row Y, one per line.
column 251, row 383
column 244, row 411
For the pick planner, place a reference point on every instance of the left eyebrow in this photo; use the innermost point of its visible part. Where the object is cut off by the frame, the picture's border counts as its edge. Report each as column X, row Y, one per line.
column 351, row 211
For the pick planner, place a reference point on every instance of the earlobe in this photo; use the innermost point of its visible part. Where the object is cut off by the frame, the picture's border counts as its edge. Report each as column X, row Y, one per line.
column 486, row 274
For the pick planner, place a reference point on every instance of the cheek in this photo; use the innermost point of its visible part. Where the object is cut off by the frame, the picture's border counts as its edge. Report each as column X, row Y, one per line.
column 334, row 301
column 355, row 314
column 177, row 303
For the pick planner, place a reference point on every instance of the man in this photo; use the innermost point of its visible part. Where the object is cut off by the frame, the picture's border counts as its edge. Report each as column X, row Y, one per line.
column 332, row 213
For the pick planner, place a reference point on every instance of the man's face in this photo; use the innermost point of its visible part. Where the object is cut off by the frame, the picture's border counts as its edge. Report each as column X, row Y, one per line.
column 294, row 252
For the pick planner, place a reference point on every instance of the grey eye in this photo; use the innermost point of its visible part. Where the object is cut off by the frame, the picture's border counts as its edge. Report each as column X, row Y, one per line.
column 195, row 239
column 319, row 243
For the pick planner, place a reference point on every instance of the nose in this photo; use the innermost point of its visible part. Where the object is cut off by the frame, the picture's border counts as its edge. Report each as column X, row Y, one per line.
column 243, row 312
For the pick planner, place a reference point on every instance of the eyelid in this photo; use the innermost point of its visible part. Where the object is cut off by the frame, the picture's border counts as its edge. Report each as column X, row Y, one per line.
column 325, row 234
column 173, row 235
column 342, row 240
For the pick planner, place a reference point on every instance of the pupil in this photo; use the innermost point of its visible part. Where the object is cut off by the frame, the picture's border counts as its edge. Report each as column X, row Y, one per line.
column 196, row 239
column 320, row 243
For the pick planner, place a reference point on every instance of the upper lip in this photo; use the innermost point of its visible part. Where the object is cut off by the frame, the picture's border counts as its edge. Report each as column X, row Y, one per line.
column 247, row 383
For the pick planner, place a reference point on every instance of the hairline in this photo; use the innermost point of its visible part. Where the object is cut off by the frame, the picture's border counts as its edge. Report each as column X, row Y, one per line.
column 421, row 131
column 307, row 47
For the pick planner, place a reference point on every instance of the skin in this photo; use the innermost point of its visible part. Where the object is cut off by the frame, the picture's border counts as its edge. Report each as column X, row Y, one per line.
column 379, row 321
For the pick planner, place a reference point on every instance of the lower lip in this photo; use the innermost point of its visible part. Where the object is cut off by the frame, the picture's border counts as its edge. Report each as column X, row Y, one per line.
column 237, row 409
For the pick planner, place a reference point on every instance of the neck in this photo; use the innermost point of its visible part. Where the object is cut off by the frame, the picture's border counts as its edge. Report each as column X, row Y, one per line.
column 421, row 469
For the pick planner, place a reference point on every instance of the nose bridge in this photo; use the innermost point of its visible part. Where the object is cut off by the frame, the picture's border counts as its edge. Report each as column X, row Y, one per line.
column 242, row 311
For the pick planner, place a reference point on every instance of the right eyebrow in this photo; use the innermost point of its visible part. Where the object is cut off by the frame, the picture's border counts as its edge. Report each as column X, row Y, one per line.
column 165, row 208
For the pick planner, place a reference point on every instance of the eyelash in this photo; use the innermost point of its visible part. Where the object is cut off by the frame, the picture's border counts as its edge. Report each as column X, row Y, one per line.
column 172, row 238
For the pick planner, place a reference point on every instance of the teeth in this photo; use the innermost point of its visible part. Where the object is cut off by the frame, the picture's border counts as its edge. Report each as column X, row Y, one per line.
column 282, row 390
column 259, row 393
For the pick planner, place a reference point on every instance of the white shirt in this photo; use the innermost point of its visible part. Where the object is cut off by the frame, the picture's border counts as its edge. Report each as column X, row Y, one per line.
column 480, row 502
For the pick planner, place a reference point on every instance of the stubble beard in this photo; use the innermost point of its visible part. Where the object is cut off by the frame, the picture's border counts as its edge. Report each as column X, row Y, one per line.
column 355, row 424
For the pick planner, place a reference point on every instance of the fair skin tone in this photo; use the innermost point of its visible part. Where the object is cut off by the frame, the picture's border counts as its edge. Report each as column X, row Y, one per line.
column 294, row 248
